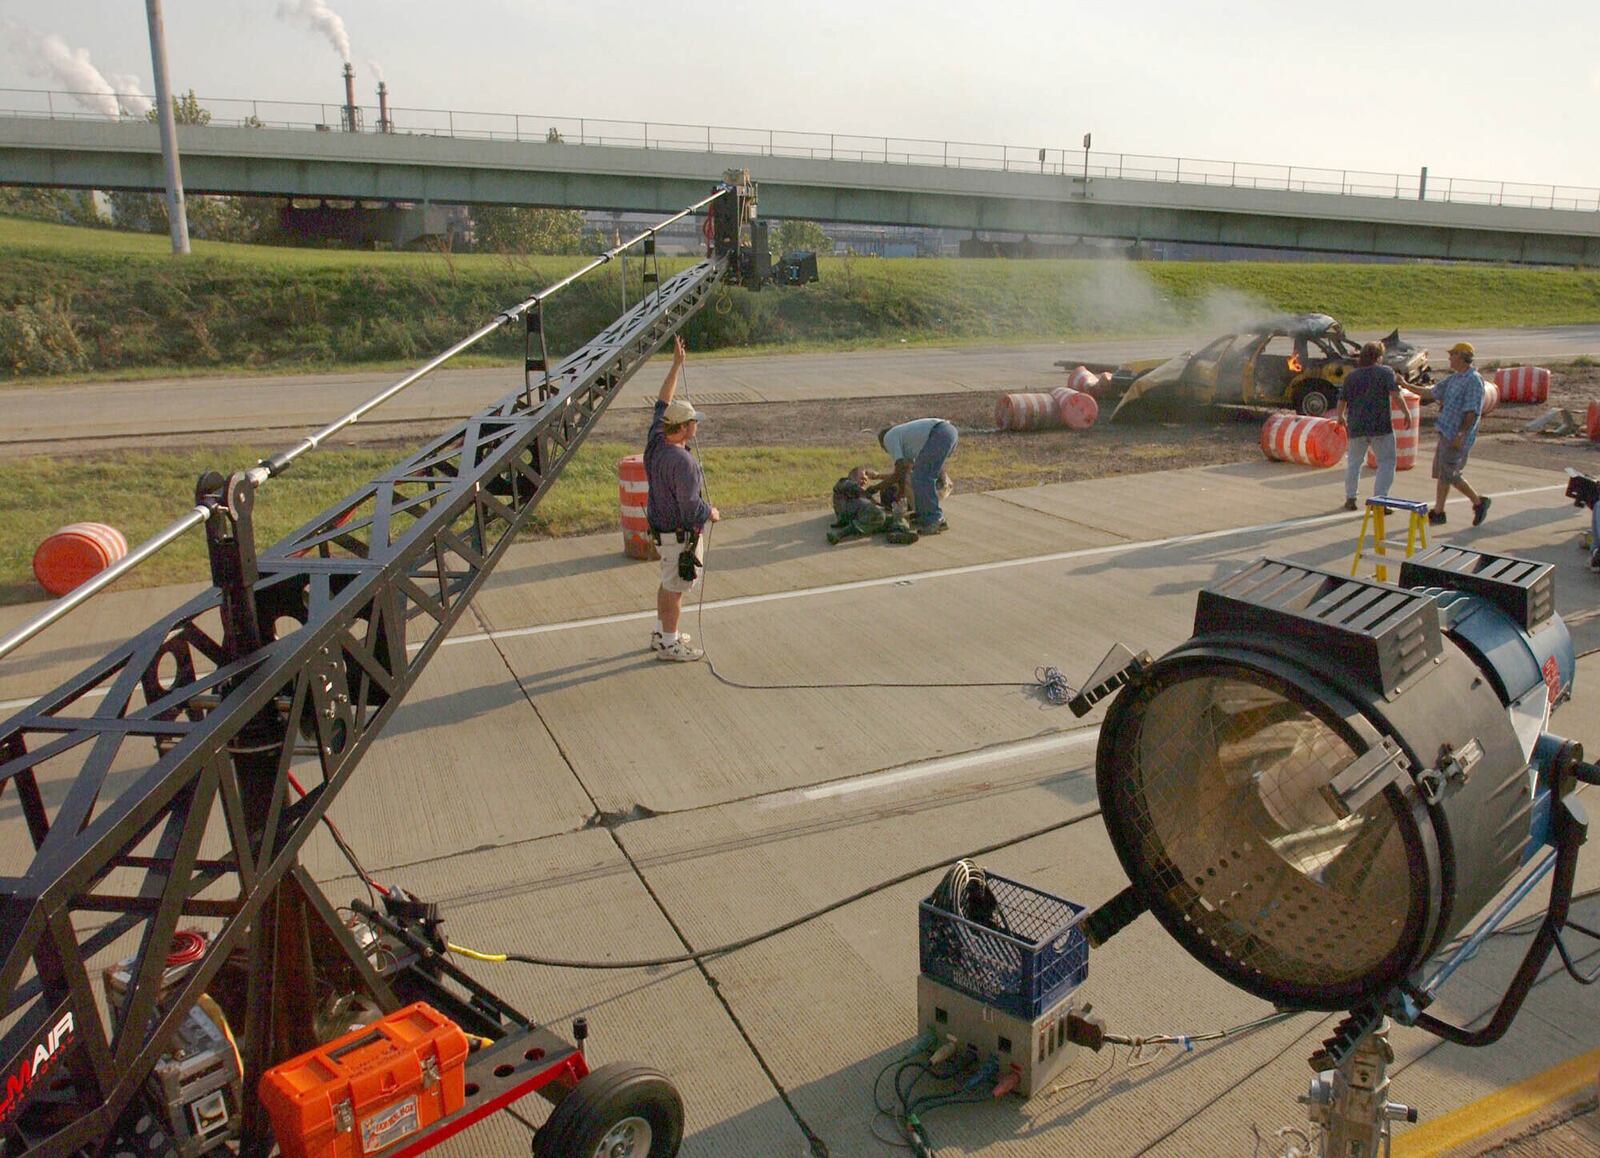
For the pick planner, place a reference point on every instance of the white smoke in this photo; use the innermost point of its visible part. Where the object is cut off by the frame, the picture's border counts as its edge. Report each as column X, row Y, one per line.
column 321, row 18
column 376, row 68
column 53, row 59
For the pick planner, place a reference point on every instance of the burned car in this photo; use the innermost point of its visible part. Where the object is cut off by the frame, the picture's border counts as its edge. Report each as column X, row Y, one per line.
column 1293, row 362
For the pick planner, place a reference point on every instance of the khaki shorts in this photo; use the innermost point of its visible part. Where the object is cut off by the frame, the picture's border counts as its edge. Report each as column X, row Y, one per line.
column 670, row 550
column 1448, row 464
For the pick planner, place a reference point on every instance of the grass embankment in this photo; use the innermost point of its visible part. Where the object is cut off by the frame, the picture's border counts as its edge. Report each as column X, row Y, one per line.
column 140, row 493
column 85, row 303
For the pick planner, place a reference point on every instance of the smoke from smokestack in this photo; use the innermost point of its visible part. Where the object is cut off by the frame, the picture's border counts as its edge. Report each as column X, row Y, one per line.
column 377, row 70
column 318, row 16
column 51, row 58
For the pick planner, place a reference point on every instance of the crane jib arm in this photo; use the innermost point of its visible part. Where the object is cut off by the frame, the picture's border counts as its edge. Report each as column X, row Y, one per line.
column 177, row 778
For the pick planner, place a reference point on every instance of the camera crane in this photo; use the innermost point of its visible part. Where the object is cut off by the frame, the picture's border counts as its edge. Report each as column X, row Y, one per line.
column 259, row 699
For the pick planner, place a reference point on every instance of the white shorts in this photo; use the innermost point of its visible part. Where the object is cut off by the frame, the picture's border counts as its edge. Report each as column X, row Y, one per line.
column 670, row 550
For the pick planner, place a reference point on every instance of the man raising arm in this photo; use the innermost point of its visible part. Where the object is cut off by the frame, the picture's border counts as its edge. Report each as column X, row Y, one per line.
column 677, row 510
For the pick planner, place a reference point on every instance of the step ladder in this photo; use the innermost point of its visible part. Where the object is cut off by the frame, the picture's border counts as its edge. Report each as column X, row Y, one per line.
column 1372, row 523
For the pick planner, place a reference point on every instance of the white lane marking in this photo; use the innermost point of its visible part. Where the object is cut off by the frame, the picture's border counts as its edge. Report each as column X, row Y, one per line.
column 925, row 769
column 941, row 573
column 888, row 580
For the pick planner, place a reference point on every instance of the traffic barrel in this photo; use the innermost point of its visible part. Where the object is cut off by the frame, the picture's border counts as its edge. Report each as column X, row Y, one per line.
column 1026, row 412
column 75, row 553
column 1591, row 423
column 1290, row 437
column 1081, row 378
column 1076, row 409
column 1405, row 437
column 633, row 489
column 1491, row 398
column 1523, row 383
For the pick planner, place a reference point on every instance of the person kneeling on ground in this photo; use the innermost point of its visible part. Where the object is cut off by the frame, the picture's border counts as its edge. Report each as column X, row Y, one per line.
column 677, row 510
column 919, row 449
column 1364, row 399
column 1460, row 399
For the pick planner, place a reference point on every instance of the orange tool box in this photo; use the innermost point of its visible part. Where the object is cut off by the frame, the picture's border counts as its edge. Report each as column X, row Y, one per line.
column 366, row 1091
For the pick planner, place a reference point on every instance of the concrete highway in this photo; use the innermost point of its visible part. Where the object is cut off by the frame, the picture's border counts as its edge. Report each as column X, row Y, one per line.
column 76, row 416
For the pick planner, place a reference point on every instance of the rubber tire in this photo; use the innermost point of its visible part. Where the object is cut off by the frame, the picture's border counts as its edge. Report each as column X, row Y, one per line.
column 601, row 1100
column 1320, row 390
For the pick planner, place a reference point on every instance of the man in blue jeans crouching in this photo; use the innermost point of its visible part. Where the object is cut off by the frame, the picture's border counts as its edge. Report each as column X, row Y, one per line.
column 919, row 448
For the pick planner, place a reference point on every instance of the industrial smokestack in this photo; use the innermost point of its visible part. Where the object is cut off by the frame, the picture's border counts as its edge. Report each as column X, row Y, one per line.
column 385, row 125
column 352, row 116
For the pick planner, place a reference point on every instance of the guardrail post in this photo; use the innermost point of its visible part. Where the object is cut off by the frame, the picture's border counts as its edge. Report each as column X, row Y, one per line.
column 451, row 114
column 1177, row 170
column 1344, row 179
column 886, row 150
column 50, row 104
column 708, row 138
column 831, row 157
column 647, row 134
column 947, row 154
column 769, row 142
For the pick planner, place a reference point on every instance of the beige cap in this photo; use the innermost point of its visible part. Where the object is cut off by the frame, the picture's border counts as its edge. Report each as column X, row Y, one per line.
column 678, row 412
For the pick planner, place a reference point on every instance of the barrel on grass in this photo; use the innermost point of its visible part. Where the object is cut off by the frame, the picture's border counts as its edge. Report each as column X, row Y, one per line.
column 1405, row 437
column 1290, row 437
column 633, row 488
column 1081, row 378
column 1523, row 383
column 1076, row 409
column 1026, row 412
column 75, row 553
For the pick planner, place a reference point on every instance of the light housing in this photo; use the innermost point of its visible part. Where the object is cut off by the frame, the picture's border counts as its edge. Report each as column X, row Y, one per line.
column 1332, row 776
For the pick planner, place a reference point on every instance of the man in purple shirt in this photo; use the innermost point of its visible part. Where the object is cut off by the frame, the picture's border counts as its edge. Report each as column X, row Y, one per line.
column 677, row 510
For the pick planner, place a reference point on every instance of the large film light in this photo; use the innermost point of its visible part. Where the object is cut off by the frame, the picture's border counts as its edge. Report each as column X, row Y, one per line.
column 1334, row 776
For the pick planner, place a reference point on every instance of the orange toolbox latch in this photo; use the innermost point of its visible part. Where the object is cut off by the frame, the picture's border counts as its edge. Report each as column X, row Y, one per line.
column 369, row 1090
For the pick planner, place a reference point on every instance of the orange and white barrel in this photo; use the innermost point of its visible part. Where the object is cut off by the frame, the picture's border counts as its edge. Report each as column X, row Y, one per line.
column 1290, row 437
column 1491, row 398
column 1591, row 423
column 1077, row 409
column 633, row 488
column 75, row 553
column 1081, row 378
column 1405, row 437
column 1523, row 384
column 1026, row 412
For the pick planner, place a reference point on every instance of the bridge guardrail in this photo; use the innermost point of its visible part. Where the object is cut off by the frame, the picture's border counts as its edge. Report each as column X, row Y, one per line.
column 329, row 117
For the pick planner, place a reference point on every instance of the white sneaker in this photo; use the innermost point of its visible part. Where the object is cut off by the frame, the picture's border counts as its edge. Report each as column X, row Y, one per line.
column 679, row 651
column 658, row 641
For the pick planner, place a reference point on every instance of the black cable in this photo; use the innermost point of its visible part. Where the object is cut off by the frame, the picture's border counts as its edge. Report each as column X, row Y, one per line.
column 1046, row 680
column 756, row 938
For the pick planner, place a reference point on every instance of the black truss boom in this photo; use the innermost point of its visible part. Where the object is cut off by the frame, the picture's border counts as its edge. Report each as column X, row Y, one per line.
column 176, row 779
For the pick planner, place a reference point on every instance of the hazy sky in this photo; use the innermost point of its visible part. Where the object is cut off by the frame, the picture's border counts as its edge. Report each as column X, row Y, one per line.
column 1470, row 88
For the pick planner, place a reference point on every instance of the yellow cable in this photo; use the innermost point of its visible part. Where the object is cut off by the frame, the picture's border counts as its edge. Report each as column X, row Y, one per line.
column 473, row 953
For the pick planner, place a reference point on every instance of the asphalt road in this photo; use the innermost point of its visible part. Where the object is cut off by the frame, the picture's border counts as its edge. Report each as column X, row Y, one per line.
column 75, row 416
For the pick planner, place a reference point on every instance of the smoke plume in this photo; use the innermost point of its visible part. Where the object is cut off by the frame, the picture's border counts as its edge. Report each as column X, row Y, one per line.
column 50, row 58
column 320, row 18
column 376, row 69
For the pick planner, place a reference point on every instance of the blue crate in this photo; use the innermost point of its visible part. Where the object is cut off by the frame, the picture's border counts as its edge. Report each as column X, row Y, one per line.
column 1022, row 971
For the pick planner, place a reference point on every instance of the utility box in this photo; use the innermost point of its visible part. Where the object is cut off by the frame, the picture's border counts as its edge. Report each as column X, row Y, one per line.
column 366, row 1091
column 1036, row 1048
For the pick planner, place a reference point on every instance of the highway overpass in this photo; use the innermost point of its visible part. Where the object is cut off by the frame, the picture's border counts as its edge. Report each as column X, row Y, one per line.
column 1324, row 211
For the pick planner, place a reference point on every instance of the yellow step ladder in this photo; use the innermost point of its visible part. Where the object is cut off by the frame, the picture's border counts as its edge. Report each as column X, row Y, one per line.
column 1373, row 521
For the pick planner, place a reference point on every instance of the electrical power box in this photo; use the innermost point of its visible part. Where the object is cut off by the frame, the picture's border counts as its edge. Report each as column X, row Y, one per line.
column 1037, row 1049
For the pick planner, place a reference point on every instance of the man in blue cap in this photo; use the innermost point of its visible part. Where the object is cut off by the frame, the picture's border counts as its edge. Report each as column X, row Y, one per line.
column 1460, row 399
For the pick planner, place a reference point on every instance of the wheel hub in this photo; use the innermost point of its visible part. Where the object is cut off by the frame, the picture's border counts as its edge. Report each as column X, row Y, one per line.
column 629, row 1138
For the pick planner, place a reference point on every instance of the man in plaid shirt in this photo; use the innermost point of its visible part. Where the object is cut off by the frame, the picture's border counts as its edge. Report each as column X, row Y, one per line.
column 1460, row 399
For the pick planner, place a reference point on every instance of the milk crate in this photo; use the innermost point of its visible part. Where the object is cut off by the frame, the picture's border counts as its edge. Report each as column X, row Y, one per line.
column 1020, row 963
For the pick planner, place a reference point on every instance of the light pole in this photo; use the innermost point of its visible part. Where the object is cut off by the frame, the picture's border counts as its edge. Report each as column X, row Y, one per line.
column 1087, row 137
column 177, row 217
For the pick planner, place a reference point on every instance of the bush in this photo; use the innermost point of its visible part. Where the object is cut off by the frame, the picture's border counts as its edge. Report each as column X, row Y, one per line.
column 38, row 338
